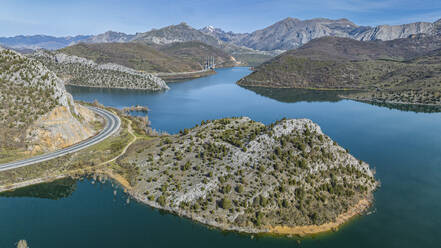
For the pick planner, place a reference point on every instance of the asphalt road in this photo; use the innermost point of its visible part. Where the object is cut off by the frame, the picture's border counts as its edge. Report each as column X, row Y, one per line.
column 112, row 125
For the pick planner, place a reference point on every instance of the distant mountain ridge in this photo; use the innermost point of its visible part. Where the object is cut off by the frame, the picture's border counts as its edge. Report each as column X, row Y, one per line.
column 287, row 34
column 109, row 37
column 41, row 41
column 292, row 33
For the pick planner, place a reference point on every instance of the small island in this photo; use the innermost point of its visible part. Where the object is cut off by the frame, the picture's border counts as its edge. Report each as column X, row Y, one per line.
column 240, row 175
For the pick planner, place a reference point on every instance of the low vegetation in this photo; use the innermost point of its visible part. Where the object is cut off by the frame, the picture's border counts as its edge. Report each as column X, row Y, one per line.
column 238, row 174
column 398, row 71
column 28, row 91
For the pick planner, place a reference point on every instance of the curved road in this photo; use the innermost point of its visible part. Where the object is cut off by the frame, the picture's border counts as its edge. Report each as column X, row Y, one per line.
column 112, row 125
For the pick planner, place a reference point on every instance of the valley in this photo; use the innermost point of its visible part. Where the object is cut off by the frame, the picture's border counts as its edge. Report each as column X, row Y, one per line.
column 307, row 133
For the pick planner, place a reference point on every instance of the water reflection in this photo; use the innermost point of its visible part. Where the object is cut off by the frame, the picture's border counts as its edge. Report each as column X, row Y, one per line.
column 408, row 107
column 305, row 95
column 298, row 95
column 55, row 190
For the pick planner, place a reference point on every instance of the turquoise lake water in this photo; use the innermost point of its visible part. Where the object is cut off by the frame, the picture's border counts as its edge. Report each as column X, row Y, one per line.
column 403, row 146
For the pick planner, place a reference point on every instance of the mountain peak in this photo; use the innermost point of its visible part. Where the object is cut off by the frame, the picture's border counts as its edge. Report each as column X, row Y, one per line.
column 290, row 19
column 210, row 28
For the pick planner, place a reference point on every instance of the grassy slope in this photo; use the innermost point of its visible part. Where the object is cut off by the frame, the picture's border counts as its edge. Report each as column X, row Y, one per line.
column 339, row 63
column 176, row 57
column 133, row 55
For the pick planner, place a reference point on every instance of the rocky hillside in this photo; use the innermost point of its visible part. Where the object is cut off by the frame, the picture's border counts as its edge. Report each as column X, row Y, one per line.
column 237, row 174
column 387, row 70
column 37, row 114
column 83, row 72
column 292, row 33
column 109, row 37
column 175, row 33
column 182, row 33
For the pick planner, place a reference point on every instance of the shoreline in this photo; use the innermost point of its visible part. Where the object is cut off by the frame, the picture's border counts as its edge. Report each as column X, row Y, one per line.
column 301, row 231
column 342, row 219
column 342, row 96
column 391, row 102
column 121, row 88
column 183, row 76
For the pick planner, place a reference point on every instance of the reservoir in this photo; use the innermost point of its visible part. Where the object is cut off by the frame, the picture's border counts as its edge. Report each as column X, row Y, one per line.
column 402, row 143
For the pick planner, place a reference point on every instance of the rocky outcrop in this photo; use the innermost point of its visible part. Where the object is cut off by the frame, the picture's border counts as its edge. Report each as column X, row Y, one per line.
column 22, row 244
column 84, row 72
column 388, row 32
column 59, row 129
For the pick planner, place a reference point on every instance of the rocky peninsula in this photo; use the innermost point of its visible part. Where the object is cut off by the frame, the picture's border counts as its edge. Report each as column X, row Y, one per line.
column 240, row 175
column 80, row 71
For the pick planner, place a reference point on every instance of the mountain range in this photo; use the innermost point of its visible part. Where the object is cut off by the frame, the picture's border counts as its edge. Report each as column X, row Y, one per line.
column 292, row 33
column 284, row 35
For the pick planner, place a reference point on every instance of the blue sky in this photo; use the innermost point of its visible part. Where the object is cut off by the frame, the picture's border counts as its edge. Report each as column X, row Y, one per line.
column 60, row 17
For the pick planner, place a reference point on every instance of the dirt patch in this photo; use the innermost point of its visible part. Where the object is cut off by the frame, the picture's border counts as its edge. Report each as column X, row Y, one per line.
column 359, row 208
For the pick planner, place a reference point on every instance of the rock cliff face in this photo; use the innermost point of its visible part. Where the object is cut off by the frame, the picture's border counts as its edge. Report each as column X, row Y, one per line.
column 184, row 33
column 292, row 33
column 37, row 114
column 80, row 71
column 59, row 128
column 388, row 32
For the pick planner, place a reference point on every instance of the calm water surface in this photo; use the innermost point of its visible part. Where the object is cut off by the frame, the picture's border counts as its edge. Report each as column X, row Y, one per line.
column 404, row 148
